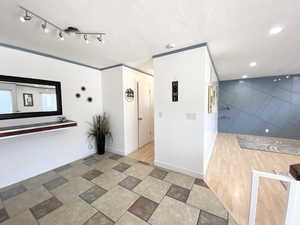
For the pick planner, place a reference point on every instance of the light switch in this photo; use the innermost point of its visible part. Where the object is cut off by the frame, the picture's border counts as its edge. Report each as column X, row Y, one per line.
column 160, row 114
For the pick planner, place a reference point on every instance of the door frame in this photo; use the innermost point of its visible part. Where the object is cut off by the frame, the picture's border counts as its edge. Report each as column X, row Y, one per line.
column 138, row 112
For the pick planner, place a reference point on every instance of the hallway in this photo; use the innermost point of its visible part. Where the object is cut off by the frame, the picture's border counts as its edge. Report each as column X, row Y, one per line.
column 144, row 154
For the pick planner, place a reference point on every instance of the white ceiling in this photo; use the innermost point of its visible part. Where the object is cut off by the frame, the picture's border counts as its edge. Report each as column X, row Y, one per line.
column 236, row 31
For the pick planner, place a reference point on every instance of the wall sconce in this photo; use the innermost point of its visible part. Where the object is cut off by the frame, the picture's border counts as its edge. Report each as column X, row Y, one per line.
column 129, row 94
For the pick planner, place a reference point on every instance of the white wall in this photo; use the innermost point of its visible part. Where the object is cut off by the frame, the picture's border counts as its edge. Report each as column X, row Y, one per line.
column 210, row 119
column 113, row 106
column 180, row 127
column 27, row 156
column 123, row 114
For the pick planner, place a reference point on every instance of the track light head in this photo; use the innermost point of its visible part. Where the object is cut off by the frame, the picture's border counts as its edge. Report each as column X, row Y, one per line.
column 100, row 38
column 22, row 19
column 26, row 17
column 61, row 36
column 45, row 27
column 86, row 38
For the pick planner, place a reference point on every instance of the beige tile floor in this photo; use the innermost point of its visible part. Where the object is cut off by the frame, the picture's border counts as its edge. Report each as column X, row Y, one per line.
column 108, row 190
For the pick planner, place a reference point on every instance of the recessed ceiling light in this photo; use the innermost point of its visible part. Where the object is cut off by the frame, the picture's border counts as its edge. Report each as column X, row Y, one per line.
column 267, row 130
column 170, row 45
column 244, row 76
column 275, row 30
column 252, row 64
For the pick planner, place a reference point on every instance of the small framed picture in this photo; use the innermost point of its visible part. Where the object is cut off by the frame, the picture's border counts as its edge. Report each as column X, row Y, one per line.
column 28, row 99
column 212, row 97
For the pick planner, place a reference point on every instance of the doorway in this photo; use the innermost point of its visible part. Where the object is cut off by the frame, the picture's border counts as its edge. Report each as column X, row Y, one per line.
column 145, row 117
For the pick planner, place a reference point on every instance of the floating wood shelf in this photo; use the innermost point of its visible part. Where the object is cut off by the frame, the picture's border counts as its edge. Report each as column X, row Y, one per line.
column 13, row 131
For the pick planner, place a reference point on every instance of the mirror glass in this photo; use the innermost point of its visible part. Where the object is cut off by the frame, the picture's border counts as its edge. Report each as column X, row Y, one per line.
column 24, row 97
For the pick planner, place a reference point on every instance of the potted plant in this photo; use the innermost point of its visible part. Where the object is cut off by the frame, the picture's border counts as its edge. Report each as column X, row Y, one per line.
column 99, row 130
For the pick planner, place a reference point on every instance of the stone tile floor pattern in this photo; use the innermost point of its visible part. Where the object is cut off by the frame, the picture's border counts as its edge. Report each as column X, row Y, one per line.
column 111, row 189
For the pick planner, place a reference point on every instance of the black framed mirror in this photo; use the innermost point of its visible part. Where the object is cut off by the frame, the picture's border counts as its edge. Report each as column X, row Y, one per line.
column 25, row 97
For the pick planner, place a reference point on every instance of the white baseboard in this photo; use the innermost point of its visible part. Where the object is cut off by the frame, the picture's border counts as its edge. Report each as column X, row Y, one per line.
column 130, row 151
column 115, row 151
column 147, row 143
column 178, row 169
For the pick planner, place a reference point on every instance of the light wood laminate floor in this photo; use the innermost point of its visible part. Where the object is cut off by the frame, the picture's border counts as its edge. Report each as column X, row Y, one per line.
column 145, row 154
column 229, row 177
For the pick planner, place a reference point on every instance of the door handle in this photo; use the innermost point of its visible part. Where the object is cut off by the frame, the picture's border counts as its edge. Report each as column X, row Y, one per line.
column 140, row 118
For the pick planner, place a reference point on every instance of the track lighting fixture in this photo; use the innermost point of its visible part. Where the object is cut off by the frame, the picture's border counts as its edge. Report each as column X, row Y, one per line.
column 26, row 17
column 86, row 38
column 46, row 25
column 61, row 36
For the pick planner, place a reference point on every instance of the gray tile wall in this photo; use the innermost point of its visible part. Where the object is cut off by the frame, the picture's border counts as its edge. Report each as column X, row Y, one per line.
column 251, row 106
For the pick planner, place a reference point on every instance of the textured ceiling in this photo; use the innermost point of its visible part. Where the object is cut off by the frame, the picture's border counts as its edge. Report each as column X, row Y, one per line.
column 236, row 31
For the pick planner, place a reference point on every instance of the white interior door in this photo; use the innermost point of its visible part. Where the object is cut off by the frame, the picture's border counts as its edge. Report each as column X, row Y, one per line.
column 145, row 113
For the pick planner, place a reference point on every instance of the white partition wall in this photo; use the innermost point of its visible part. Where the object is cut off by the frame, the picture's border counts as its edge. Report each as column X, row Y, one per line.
column 27, row 156
column 112, row 87
column 184, row 131
column 210, row 119
column 124, row 114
